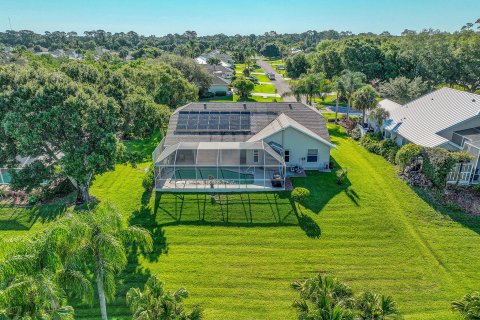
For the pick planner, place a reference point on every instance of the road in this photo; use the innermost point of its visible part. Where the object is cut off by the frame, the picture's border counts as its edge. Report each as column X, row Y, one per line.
column 280, row 84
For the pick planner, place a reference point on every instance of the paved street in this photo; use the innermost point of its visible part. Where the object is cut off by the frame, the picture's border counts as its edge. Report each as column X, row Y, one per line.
column 280, row 84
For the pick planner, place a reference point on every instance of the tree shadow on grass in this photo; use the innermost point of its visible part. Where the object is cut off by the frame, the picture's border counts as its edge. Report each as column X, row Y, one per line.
column 23, row 218
column 307, row 224
column 467, row 220
column 323, row 187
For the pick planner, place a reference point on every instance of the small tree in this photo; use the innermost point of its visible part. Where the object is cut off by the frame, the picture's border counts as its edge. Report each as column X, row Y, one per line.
column 300, row 194
column 243, row 87
column 379, row 116
column 407, row 154
column 153, row 303
column 246, row 72
column 364, row 99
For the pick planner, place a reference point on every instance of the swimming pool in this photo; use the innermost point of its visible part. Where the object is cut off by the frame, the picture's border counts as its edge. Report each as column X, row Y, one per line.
column 207, row 173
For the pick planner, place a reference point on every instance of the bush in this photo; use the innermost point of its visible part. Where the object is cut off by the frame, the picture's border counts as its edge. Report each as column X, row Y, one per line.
column 386, row 148
column 437, row 163
column 221, row 93
column 407, row 154
column 149, row 179
column 300, row 194
column 356, row 133
column 341, row 176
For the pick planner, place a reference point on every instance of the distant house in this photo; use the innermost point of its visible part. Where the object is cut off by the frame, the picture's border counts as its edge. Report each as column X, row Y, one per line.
column 221, row 78
column 445, row 118
column 295, row 51
column 236, row 147
column 226, row 60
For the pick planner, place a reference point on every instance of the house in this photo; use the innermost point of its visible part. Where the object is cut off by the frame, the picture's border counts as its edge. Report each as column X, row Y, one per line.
column 446, row 118
column 221, row 79
column 234, row 147
column 226, row 60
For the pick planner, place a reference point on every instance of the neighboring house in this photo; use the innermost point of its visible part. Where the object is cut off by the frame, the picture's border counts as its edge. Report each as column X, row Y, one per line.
column 222, row 147
column 221, row 78
column 226, row 60
column 295, row 51
column 445, row 118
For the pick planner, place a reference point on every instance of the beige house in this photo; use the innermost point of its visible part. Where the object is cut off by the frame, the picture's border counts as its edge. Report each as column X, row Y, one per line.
column 221, row 147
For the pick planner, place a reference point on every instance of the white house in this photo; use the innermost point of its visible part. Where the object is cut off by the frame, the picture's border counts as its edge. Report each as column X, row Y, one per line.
column 221, row 147
column 221, row 78
column 445, row 118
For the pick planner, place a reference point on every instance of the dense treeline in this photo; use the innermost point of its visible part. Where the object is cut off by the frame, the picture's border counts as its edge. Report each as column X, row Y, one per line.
column 440, row 58
column 187, row 43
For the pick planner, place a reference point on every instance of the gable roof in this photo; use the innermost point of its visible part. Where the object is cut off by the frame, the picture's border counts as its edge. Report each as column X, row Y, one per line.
column 283, row 122
column 261, row 115
column 421, row 120
column 214, row 69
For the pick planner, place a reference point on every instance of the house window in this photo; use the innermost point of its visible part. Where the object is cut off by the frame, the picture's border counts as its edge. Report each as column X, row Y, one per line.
column 287, row 156
column 312, row 155
column 255, row 156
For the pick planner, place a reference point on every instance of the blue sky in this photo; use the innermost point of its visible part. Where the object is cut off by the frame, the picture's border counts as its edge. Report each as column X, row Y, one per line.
column 231, row 17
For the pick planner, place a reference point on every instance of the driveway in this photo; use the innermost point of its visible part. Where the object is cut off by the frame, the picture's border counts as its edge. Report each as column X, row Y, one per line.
column 280, row 84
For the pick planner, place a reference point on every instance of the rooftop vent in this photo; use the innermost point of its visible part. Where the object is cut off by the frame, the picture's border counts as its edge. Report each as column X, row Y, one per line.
column 204, row 106
column 290, row 105
column 244, row 106
column 473, row 100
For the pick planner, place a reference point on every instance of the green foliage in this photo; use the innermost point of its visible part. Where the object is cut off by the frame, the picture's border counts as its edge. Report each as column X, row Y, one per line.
column 271, row 50
column 297, row 65
column 154, row 302
column 341, row 176
column 310, row 86
column 469, row 306
column 437, row 163
column 364, row 99
column 386, row 148
column 407, row 154
column 403, row 90
column 149, row 180
column 324, row 297
column 300, row 194
column 243, row 87
column 379, row 116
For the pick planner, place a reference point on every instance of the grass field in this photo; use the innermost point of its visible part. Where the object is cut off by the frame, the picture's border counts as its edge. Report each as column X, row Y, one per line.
column 264, row 88
column 238, row 254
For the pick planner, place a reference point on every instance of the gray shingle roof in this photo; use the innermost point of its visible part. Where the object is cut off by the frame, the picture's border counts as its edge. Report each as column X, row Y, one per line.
column 261, row 115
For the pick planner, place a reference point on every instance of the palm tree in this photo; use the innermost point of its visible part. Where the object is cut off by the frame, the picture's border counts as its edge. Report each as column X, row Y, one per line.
column 339, row 88
column 155, row 303
column 469, row 306
column 323, row 297
column 379, row 116
column 373, row 306
column 35, row 279
column 214, row 62
column 352, row 81
column 365, row 99
column 102, row 237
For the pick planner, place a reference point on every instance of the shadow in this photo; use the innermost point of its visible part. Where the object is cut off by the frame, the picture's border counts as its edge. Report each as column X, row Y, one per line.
column 352, row 195
column 306, row 223
column 23, row 218
column 470, row 221
column 323, row 187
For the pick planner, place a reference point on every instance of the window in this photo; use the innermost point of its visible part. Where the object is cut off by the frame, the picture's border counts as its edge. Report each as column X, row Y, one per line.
column 312, row 155
column 287, row 156
column 255, row 156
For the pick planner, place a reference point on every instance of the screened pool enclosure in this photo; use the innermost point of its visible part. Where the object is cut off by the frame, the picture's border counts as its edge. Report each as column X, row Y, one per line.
column 218, row 167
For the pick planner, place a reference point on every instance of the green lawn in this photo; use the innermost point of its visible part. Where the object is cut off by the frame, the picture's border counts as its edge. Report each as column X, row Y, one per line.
column 238, row 254
column 264, row 88
column 236, row 98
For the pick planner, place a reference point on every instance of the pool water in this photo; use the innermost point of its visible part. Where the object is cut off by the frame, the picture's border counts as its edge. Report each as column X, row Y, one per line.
column 205, row 173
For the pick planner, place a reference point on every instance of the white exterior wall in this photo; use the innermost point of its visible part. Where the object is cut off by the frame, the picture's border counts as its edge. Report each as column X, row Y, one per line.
column 298, row 144
column 473, row 123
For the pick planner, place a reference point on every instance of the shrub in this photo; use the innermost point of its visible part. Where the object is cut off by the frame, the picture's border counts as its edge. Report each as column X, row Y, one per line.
column 407, row 154
column 474, row 188
column 149, row 179
column 356, row 133
column 300, row 194
column 221, row 93
column 386, row 148
column 342, row 175
column 437, row 163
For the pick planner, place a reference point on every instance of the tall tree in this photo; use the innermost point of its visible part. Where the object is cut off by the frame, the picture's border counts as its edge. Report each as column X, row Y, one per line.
column 364, row 99
column 62, row 123
column 102, row 238
column 214, row 62
column 403, row 90
column 379, row 116
column 352, row 81
column 339, row 88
